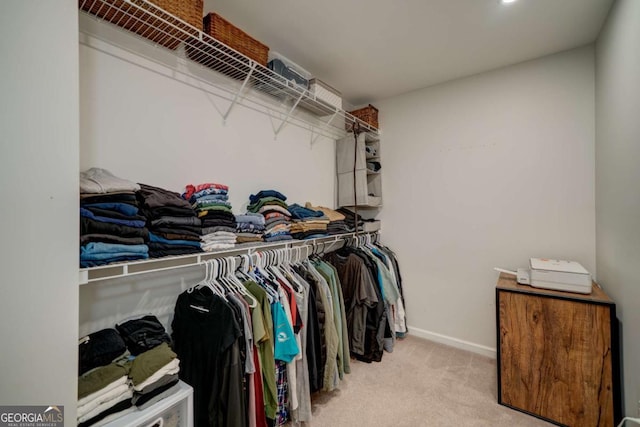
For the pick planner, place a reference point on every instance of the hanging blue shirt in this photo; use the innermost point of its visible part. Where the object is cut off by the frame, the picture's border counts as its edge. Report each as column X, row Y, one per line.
column 285, row 345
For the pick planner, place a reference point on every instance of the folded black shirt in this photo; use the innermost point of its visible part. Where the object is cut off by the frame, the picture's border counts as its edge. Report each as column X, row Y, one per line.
column 143, row 334
column 99, row 349
column 90, row 226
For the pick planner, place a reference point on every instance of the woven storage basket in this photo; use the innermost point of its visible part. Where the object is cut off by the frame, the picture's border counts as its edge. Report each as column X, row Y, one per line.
column 368, row 114
column 224, row 31
column 151, row 25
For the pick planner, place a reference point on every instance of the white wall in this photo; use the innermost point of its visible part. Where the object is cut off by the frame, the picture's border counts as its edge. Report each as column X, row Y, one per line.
column 147, row 123
column 39, row 209
column 148, row 127
column 617, row 178
column 487, row 171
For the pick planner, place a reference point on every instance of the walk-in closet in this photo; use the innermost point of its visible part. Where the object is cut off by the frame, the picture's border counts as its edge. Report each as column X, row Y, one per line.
column 259, row 214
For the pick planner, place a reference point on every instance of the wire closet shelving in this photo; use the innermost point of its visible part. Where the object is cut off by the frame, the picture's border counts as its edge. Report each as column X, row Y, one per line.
column 243, row 82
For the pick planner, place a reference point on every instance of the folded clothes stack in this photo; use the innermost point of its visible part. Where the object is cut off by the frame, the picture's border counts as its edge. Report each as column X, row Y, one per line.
column 250, row 228
column 125, row 368
column 104, row 392
column 307, row 223
column 154, row 375
column 272, row 205
column 111, row 228
column 154, row 370
column 351, row 219
column 337, row 224
column 211, row 203
column 174, row 228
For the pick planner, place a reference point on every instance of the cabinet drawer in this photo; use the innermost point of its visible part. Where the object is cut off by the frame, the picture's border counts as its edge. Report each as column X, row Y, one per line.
column 173, row 411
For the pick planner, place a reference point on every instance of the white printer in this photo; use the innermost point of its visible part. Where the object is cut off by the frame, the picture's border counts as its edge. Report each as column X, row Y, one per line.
column 554, row 274
column 559, row 275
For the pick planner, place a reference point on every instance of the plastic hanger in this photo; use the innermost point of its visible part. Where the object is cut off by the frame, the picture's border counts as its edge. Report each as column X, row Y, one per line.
column 243, row 269
column 212, row 282
column 238, row 284
column 198, row 285
column 220, row 276
column 204, row 279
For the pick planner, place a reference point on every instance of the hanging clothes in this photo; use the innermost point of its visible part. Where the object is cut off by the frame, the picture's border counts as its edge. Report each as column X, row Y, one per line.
column 205, row 334
column 330, row 274
column 359, row 296
column 255, row 349
column 266, row 349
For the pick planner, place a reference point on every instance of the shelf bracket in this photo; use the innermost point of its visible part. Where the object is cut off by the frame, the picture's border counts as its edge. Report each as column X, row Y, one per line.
column 323, row 128
column 234, row 101
column 286, row 119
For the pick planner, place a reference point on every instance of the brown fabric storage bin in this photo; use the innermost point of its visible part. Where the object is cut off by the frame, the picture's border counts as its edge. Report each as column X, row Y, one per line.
column 144, row 19
column 368, row 114
column 224, row 31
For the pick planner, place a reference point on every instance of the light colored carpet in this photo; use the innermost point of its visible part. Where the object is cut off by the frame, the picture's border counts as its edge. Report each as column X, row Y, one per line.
column 421, row 383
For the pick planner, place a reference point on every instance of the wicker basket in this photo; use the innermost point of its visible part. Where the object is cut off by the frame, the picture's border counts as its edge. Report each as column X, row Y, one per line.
column 368, row 114
column 225, row 32
column 151, row 24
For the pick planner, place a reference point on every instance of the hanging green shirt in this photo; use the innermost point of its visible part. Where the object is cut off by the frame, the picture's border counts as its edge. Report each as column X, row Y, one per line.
column 265, row 350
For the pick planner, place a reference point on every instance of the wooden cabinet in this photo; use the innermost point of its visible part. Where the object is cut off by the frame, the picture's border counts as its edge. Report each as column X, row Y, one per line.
column 558, row 354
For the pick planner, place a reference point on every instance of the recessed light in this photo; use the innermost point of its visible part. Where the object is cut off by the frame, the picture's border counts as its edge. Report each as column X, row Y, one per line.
column 507, row 1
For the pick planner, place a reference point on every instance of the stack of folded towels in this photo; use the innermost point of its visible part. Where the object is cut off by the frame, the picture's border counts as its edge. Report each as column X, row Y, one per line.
column 111, row 228
column 307, row 223
column 250, row 227
column 337, row 224
column 272, row 205
column 104, row 392
column 154, row 370
column 211, row 203
column 174, row 228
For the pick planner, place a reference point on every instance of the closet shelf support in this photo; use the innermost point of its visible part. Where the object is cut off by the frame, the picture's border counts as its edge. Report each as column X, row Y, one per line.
column 324, row 128
column 289, row 113
column 239, row 92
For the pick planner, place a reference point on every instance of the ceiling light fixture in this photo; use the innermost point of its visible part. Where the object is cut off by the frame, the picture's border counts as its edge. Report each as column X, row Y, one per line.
column 507, row 1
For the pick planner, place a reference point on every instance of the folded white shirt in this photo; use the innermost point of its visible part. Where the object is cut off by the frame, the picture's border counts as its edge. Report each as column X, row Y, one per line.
column 114, row 393
column 170, row 368
column 95, row 395
column 97, row 180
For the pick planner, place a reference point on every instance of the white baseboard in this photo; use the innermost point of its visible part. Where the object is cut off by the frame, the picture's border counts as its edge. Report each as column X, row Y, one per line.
column 453, row 342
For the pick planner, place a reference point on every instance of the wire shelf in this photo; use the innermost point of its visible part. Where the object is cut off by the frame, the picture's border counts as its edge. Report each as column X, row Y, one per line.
column 160, row 28
column 132, row 268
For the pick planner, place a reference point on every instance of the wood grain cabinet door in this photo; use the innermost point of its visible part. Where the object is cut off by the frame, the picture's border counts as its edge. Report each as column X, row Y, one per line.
column 555, row 359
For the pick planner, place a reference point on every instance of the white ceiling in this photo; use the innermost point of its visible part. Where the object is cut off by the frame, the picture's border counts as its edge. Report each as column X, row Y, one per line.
column 374, row 49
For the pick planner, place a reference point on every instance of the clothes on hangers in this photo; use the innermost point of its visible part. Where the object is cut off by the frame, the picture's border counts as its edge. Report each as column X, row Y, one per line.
column 206, row 341
column 256, row 345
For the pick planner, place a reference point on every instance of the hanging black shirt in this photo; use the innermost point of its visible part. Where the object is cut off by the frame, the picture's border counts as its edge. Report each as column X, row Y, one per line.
column 202, row 341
